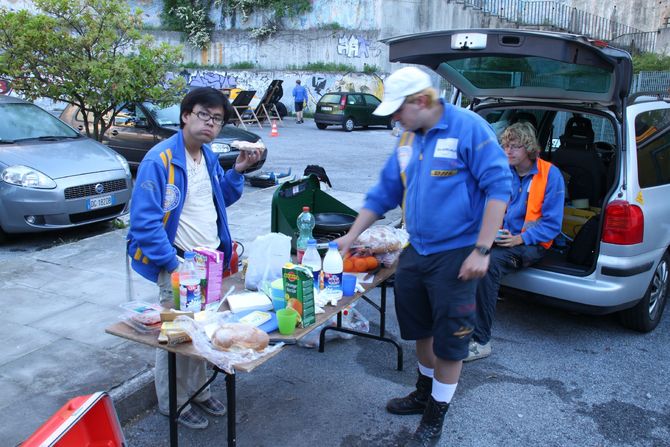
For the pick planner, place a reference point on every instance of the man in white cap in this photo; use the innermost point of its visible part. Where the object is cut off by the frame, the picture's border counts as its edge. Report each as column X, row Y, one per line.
column 452, row 179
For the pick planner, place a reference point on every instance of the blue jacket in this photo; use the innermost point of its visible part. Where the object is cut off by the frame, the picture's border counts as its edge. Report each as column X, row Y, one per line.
column 299, row 93
column 548, row 227
column 157, row 201
column 444, row 177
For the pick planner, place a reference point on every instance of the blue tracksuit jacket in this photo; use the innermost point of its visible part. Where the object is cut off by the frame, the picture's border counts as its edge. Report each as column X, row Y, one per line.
column 443, row 179
column 157, row 201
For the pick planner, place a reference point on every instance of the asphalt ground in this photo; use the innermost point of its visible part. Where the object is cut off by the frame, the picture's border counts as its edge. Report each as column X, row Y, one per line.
column 554, row 379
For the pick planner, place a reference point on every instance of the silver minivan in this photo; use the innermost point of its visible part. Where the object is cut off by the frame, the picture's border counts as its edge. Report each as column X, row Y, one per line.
column 612, row 147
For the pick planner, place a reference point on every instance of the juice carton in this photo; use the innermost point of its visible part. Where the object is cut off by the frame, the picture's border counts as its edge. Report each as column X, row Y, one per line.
column 210, row 263
column 299, row 292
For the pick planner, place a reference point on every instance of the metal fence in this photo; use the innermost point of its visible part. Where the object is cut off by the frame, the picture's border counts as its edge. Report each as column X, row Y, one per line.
column 558, row 16
column 651, row 81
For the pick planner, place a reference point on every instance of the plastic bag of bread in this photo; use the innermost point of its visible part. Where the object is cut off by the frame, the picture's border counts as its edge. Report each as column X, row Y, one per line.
column 238, row 336
column 383, row 239
column 223, row 341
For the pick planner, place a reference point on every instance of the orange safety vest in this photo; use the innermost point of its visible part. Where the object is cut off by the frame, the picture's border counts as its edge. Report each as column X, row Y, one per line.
column 538, row 186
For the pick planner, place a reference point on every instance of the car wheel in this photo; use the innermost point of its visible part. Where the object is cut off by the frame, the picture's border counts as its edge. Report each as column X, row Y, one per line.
column 348, row 124
column 646, row 314
column 281, row 109
column 321, row 126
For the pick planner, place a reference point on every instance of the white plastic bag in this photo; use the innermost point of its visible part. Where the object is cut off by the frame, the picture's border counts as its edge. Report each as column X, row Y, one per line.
column 225, row 360
column 267, row 256
column 354, row 321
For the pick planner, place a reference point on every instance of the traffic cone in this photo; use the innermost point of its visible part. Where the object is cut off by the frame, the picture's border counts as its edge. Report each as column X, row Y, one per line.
column 274, row 132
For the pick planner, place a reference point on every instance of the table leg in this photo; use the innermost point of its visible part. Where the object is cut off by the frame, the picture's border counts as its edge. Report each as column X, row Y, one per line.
column 231, row 399
column 172, row 391
column 382, row 328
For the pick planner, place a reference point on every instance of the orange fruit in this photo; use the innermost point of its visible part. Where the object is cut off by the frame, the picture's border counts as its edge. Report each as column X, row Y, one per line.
column 372, row 262
column 295, row 304
column 348, row 265
column 360, row 265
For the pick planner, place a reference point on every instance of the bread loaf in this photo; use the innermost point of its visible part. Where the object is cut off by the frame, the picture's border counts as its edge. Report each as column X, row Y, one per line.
column 237, row 336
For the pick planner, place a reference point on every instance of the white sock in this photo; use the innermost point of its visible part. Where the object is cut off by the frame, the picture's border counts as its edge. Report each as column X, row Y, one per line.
column 428, row 372
column 443, row 392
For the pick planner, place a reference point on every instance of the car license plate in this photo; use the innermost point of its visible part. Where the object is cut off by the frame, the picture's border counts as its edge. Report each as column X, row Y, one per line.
column 326, row 108
column 100, row 202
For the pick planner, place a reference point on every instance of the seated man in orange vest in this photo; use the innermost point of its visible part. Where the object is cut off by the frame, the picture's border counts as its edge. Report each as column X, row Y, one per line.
column 533, row 219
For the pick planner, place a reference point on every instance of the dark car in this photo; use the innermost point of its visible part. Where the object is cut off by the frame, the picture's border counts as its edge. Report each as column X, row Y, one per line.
column 139, row 126
column 349, row 110
column 51, row 177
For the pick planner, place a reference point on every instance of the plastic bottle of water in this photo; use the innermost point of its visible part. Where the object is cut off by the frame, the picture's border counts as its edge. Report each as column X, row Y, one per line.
column 312, row 259
column 305, row 224
column 189, row 285
column 332, row 273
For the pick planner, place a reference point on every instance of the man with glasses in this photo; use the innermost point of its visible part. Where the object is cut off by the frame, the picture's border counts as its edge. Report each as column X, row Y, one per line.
column 179, row 202
column 452, row 180
column 533, row 219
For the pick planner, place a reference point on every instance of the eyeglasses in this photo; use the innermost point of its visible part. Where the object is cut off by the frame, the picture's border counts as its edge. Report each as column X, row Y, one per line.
column 204, row 116
column 406, row 102
column 513, row 147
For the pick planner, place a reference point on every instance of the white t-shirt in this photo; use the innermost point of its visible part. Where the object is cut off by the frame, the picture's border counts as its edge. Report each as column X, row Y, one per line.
column 197, row 223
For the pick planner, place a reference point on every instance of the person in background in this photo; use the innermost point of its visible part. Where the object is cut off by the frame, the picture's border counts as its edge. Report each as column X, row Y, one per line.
column 533, row 219
column 299, row 98
column 453, row 182
column 178, row 203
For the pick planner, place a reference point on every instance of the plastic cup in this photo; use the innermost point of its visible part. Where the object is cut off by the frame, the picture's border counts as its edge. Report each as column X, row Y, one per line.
column 348, row 284
column 286, row 320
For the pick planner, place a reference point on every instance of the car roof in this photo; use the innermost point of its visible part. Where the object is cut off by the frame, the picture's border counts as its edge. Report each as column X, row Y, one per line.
column 4, row 99
column 515, row 64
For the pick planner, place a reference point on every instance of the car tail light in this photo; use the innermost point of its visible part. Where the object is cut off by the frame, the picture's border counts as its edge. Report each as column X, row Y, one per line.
column 624, row 223
column 343, row 101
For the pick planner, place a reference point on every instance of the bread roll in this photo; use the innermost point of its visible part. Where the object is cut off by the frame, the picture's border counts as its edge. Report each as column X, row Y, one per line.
column 237, row 336
column 248, row 146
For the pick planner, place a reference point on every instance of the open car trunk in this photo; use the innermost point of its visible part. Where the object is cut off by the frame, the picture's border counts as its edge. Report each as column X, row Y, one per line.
column 585, row 146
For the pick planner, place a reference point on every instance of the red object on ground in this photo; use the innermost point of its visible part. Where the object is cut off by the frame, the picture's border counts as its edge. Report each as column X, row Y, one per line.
column 84, row 421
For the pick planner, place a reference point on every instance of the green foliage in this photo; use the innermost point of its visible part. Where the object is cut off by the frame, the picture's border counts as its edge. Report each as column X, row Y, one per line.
column 329, row 67
column 235, row 66
column 243, row 65
column 89, row 53
column 650, row 62
column 334, row 26
column 280, row 8
column 370, row 69
column 190, row 17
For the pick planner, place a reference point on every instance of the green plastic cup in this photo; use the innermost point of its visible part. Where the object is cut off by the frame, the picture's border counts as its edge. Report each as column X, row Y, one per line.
column 286, row 320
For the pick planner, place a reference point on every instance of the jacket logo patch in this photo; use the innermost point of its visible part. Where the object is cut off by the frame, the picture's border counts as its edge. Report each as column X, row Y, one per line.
column 171, row 198
column 443, row 172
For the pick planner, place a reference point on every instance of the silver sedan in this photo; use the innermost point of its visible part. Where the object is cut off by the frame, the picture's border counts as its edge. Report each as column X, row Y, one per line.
column 51, row 177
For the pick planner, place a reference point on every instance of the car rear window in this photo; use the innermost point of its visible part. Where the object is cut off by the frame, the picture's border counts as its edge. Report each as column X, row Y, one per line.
column 166, row 116
column 492, row 72
column 329, row 98
column 25, row 121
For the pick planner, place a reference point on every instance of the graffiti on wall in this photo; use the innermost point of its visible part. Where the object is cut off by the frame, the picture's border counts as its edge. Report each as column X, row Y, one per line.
column 317, row 84
column 356, row 46
column 5, row 89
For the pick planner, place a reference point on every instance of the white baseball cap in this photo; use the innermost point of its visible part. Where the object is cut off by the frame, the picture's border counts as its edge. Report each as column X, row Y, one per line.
column 400, row 85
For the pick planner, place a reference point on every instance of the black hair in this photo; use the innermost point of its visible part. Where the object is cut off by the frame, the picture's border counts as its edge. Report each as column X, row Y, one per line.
column 297, row 81
column 206, row 97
